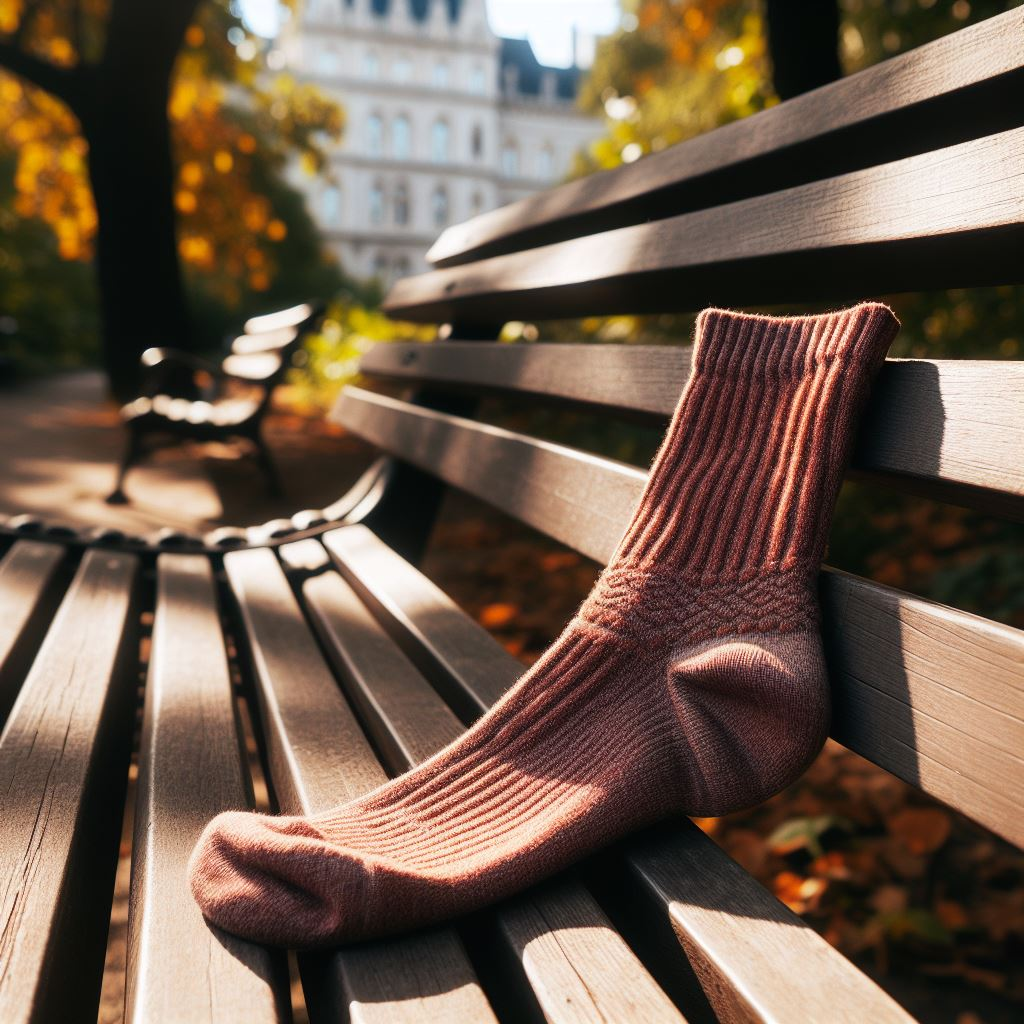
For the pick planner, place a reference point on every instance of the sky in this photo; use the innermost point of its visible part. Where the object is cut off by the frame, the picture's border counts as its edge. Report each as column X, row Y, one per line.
column 548, row 24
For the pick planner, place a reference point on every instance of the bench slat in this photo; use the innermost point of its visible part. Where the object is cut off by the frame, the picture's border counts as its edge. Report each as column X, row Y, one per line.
column 586, row 502
column 64, row 758
column 29, row 588
column 954, row 428
column 190, row 769
column 749, row 951
column 579, row 967
column 949, row 218
column 356, row 546
column 930, row 97
column 319, row 758
column 430, row 628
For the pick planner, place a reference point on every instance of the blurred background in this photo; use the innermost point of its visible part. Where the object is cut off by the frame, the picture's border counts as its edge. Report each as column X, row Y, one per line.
column 167, row 170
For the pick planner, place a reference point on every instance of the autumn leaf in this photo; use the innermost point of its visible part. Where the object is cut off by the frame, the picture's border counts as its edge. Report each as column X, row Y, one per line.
column 920, row 829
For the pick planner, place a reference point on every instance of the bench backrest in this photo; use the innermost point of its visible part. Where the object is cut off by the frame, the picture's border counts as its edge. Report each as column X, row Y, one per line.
column 263, row 353
column 907, row 176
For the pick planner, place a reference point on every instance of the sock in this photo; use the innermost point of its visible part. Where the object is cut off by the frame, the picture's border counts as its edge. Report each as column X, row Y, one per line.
column 691, row 681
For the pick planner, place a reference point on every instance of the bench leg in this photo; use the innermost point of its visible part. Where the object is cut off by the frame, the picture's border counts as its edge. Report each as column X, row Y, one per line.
column 132, row 452
column 269, row 468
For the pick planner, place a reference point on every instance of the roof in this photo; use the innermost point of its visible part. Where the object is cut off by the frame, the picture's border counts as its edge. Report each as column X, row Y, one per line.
column 518, row 53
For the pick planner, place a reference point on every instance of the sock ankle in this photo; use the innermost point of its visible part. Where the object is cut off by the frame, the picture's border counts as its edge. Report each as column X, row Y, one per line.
column 691, row 681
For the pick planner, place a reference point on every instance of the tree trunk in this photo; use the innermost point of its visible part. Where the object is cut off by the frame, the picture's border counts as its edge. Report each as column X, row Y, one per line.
column 142, row 299
column 803, row 39
column 132, row 173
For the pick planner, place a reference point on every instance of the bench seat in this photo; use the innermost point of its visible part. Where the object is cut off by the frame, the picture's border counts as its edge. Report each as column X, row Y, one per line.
column 294, row 642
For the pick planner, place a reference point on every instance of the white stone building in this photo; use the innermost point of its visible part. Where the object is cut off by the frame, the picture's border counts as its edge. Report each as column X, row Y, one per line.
column 444, row 120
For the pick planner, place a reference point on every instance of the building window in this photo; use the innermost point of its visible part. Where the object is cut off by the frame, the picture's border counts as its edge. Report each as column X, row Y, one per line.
column 330, row 205
column 371, row 64
column 476, row 204
column 545, row 163
column 439, row 142
column 440, row 75
column 478, row 81
column 401, row 137
column 401, row 205
column 402, row 69
column 327, row 62
column 510, row 160
column 439, row 206
column 476, row 143
column 375, row 135
column 376, row 204
column 380, row 266
column 402, row 266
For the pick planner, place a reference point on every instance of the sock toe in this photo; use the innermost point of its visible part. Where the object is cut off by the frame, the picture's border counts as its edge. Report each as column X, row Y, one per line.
column 274, row 880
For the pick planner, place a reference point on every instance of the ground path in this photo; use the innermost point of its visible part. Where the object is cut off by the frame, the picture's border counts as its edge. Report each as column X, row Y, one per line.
column 61, row 440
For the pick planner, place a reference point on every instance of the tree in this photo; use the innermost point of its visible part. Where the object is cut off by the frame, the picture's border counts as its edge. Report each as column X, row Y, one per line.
column 112, row 64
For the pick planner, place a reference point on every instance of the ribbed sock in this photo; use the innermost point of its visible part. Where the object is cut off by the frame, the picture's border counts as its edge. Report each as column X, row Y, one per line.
column 691, row 681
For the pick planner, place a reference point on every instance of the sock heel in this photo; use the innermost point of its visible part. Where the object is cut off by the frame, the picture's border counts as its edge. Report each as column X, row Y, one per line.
column 754, row 713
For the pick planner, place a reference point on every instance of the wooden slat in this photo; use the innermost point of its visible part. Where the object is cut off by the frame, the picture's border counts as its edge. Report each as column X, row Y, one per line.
column 582, row 500
column 63, row 770
column 755, row 959
column 966, row 82
column 533, row 926
column 431, row 629
column 586, row 502
column 579, row 967
column 644, row 379
column 949, row 218
column 320, row 758
column 934, row 695
column 29, row 587
column 190, row 769
column 951, row 428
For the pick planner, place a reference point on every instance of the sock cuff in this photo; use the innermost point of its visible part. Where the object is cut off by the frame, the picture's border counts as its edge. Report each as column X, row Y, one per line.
column 747, row 478
column 746, row 345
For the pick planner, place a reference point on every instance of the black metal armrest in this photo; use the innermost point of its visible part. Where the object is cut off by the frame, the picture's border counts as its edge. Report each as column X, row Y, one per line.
column 153, row 358
column 171, row 370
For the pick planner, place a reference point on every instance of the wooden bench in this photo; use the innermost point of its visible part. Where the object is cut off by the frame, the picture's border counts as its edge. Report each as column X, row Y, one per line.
column 317, row 644
column 236, row 397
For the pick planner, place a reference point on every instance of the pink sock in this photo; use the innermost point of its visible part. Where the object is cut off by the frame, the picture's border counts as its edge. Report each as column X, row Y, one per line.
column 690, row 682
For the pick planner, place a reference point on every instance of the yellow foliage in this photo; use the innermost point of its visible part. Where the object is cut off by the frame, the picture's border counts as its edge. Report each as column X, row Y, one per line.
column 223, row 219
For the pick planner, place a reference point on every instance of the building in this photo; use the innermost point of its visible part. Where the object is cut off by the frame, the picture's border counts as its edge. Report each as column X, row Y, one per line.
column 444, row 120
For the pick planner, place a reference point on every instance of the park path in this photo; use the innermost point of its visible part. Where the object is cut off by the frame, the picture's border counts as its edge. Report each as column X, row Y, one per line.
column 60, row 441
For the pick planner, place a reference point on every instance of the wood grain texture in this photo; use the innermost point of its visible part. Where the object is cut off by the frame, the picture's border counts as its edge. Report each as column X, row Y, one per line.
column 576, row 498
column 432, row 630
column 397, row 706
column 586, row 502
column 320, row 758
column 951, row 428
column 63, row 769
column 190, row 769
column 30, row 585
column 312, row 767
column 578, row 966
column 934, row 695
column 949, row 218
column 755, row 959
column 930, row 97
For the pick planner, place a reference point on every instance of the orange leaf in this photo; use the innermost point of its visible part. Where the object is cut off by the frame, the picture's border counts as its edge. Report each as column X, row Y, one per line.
column 921, row 829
